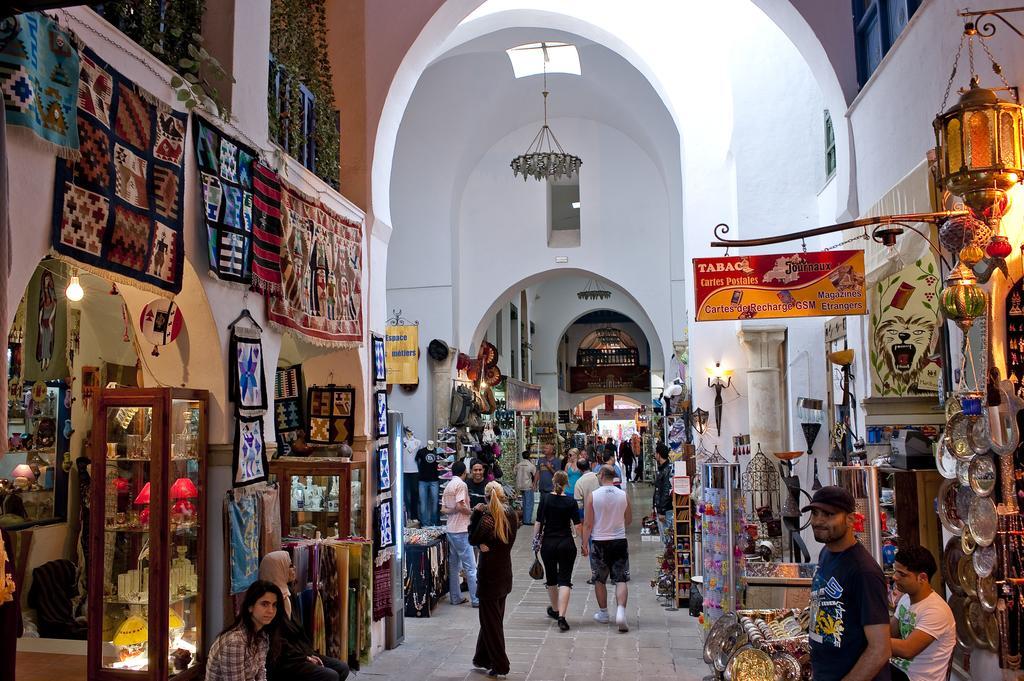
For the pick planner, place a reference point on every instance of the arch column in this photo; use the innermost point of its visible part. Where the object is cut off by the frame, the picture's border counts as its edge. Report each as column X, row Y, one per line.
column 766, row 398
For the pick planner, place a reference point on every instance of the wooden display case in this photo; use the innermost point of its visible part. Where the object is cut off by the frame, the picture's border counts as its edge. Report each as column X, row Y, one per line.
column 335, row 508
column 682, row 537
column 148, row 548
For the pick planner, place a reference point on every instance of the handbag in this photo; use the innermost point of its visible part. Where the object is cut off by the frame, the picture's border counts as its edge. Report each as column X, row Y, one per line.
column 537, row 569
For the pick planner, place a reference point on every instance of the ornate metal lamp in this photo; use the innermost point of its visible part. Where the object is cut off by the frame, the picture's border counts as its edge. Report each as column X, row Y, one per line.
column 978, row 142
column 545, row 159
column 593, row 291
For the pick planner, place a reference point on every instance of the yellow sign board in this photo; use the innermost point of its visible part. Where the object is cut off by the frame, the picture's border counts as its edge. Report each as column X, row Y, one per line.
column 402, row 344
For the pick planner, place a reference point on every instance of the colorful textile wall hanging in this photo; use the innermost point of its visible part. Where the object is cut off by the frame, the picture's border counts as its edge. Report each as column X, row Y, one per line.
column 321, row 269
column 226, row 176
column 331, row 415
column 288, row 413
column 247, row 384
column 382, row 599
column 381, row 409
column 39, row 80
column 250, row 455
column 243, row 541
column 119, row 209
column 383, row 469
column 383, row 527
column 380, row 371
column 266, row 230
column 47, row 320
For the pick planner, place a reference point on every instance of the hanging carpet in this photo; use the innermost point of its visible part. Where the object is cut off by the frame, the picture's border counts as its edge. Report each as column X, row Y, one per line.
column 321, row 269
column 118, row 210
column 382, row 599
column 250, row 455
column 243, row 541
column 331, row 415
column 288, row 413
column 39, row 80
column 266, row 230
column 247, row 384
column 226, row 177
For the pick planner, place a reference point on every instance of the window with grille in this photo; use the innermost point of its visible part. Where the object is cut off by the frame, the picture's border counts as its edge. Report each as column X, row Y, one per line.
column 877, row 24
column 830, row 146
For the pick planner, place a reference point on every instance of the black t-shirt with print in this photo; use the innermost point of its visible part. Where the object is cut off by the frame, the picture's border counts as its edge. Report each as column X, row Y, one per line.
column 426, row 464
column 848, row 593
column 477, row 492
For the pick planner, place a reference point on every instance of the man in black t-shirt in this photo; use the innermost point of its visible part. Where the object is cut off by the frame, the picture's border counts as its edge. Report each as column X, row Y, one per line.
column 849, row 630
column 477, row 482
column 426, row 467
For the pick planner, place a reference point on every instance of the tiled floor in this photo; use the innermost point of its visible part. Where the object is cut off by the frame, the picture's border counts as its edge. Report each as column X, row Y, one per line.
column 659, row 645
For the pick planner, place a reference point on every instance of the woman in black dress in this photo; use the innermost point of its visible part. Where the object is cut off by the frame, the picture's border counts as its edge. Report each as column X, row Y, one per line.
column 555, row 519
column 492, row 528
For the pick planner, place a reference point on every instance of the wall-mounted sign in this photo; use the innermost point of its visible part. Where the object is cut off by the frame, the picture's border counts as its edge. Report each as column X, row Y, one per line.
column 816, row 284
column 403, row 354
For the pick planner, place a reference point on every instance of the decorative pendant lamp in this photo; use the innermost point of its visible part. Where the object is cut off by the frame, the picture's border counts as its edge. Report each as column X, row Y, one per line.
column 978, row 144
column 963, row 300
column 545, row 159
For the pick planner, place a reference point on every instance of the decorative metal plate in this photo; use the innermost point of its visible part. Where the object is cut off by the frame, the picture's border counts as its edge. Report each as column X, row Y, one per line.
column 984, row 559
column 951, row 556
column 716, row 636
column 967, row 576
column 945, row 461
column 967, row 541
column 751, row 664
column 948, row 516
column 978, row 436
column 958, row 604
column 787, row 667
column 988, row 595
column 983, row 519
column 963, row 468
column 976, row 620
column 955, row 437
column 981, row 475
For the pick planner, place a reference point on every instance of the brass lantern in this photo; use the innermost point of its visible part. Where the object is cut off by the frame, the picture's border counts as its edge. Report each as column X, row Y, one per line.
column 978, row 144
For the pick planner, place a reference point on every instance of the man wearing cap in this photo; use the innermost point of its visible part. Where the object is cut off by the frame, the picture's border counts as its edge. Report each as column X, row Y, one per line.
column 849, row 630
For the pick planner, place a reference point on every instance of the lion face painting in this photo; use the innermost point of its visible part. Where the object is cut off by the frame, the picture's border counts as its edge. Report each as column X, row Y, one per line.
column 903, row 346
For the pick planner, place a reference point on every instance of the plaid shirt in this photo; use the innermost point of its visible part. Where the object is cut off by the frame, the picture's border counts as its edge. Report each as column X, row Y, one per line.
column 230, row 660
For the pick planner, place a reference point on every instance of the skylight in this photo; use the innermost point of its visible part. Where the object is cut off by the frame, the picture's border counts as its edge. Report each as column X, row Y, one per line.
column 528, row 60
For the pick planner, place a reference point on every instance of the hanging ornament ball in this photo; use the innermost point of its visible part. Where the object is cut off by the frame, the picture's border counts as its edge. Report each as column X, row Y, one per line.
column 982, row 234
column 161, row 321
column 998, row 247
column 956, row 232
column 971, row 255
column 963, row 300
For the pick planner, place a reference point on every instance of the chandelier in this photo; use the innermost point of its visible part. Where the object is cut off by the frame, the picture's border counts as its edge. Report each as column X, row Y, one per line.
column 545, row 158
column 592, row 291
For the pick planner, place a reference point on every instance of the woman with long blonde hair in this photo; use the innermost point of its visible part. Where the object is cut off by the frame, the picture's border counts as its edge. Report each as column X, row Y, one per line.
column 492, row 528
column 556, row 518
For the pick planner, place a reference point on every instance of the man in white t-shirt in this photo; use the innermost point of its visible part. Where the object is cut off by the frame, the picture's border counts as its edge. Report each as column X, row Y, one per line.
column 608, row 514
column 923, row 628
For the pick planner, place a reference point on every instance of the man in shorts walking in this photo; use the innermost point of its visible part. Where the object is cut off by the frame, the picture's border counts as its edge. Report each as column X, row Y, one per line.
column 607, row 514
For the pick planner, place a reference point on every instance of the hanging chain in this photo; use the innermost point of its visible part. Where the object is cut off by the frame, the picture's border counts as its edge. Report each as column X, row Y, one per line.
column 848, row 241
column 952, row 75
column 995, row 65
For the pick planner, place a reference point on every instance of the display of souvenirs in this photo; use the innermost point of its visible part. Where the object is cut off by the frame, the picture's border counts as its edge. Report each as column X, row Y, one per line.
column 721, row 527
column 760, row 645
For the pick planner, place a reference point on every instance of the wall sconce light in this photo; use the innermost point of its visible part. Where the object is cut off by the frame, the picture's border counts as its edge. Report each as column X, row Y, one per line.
column 700, row 420
column 718, row 380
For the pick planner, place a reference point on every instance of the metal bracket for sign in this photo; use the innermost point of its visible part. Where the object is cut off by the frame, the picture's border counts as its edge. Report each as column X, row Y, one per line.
column 396, row 319
column 881, row 232
column 986, row 29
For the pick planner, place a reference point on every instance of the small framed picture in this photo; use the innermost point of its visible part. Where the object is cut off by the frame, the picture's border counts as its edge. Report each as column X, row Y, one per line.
column 382, row 414
column 380, row 371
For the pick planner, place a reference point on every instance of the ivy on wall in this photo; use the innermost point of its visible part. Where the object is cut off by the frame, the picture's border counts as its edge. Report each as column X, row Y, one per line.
column 164, row 27
column 298, row 45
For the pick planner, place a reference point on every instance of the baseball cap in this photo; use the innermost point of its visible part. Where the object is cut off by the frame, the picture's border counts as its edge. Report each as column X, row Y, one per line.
column 831, row 499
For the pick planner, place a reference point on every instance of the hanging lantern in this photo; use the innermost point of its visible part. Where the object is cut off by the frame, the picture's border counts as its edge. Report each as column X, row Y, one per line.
column 999, row 247
column 978, row 144
column 971, row 255
column 963, row 300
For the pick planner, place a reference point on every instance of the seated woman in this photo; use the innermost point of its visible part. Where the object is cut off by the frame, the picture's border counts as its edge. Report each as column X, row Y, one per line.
column 240, row 651
column 291, row 655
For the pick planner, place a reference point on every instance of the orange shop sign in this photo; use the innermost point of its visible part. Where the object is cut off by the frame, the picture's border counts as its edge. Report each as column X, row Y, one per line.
column 816, row 284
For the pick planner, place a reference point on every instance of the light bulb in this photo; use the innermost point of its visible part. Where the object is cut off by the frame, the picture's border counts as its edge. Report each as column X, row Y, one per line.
column 74, row 291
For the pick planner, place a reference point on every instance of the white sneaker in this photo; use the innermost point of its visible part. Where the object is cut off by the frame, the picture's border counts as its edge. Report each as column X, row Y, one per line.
column 601, row 617
column 620, row 620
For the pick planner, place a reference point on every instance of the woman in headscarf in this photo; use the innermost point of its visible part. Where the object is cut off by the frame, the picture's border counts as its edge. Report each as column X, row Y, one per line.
column 492, row 528
column 291, row 654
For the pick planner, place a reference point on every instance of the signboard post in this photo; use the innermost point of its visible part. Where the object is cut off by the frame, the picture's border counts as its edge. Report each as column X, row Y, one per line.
column 815, row 284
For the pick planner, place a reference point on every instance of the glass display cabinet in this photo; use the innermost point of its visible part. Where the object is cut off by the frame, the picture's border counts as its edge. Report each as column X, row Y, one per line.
column 146, row 580
column 320, row 494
